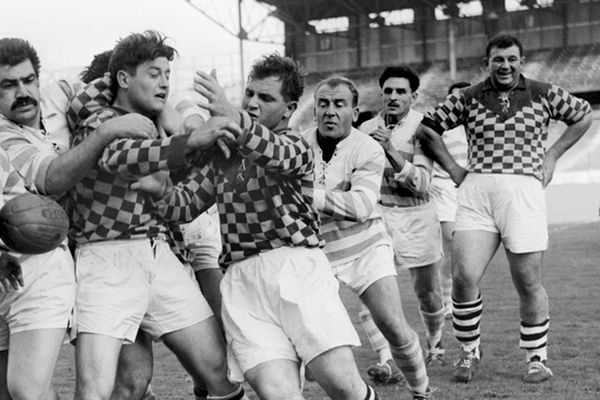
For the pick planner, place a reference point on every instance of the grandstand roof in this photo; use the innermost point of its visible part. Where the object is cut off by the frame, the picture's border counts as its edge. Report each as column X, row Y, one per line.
column 307, row 10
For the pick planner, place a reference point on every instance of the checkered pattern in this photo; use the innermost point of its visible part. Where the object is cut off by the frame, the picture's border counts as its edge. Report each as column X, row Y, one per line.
column 104, row 206
column 263, row 194
column 510, row 142
column 89, row 99
column 409, row 187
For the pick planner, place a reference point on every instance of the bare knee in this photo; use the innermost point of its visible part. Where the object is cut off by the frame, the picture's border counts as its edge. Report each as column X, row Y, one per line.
column 26, row 390
column 132, row 387
column 90, row 389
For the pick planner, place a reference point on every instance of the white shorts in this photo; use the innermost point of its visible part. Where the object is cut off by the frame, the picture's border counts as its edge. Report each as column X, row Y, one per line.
column 47, row 299
column 361, row 273
column 512, row 205
column 202, row 237
column 282, row 304
column 444, row 194
column 416, row 234
column 126, row 285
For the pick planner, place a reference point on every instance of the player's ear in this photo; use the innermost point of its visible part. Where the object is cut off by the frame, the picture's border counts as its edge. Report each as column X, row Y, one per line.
column 355, row 114
column 290, row 108
column 123, row 79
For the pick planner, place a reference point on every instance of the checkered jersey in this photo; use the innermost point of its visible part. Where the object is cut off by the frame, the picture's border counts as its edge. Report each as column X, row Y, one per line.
column 507, row 141
column 89, row 99
column 263, row 194
column 104, row 206
column 346, row 192
column 409, row 187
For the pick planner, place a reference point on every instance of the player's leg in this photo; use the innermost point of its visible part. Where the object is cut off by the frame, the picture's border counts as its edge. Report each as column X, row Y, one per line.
column 96, row 358
column 112, row 297
column 526, row 272
column 471, row 254
column 134, row 370
column 277, row 379
column 201, row 351
column 525, row 237
column 445, row 266
column 209, row 280
column 383, row 301
column 285, row 305
column 426, row 285
column 179, row 315
column 336, row 372
column 31, row 360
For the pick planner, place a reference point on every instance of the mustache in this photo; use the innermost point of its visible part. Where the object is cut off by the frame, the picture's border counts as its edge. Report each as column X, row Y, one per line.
column 24, row 101
column 393, row 103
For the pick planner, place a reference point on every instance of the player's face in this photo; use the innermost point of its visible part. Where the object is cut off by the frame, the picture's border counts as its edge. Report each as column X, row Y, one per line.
column 504, row 66
column 148, row 89
column 20, row 94
column 397, row 96
column 334, row 110
column 265, row 103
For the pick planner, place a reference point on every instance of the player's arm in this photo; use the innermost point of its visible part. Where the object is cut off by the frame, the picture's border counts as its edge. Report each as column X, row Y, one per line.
column 285, row 154
column 187, row 199
column 416, row 175
column 354, row 200
column 133, row 159
column 433, row 145
column 440, row 119
column 577, row 114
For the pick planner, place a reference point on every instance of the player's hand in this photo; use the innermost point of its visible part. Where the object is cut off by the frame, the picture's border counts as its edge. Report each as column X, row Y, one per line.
column 169, row 122
column 548, row 170
column 382, row 136
column 156, row 184
column 218, row 105
column 218, row 130
column 458, row 175
column 132, row 126
column 11, row 274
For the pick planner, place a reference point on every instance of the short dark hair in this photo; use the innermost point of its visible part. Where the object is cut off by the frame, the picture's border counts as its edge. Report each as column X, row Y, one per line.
column 136, row 49
column 335, row 81
column 14, row 51
column 402, row 71
column 458, row 85
column 286, row 69
column 503, row 41
column 97, row 68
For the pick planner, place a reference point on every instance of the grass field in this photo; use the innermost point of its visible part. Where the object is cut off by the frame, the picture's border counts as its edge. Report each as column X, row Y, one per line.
column 572, row 278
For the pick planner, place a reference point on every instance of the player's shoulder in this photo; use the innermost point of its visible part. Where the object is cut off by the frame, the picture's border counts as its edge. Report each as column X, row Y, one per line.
column 370, row 124
column 364, row 144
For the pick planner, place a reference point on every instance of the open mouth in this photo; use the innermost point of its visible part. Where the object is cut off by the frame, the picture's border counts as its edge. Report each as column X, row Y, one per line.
column 254, row 117
column 162, row 96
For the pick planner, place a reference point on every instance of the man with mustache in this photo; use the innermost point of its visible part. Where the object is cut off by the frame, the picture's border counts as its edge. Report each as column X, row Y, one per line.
column 501, row 193
column 409, row 215
column 36, row 316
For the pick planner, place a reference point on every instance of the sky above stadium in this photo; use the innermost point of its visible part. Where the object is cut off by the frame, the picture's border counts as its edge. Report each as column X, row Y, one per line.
column 67, row 33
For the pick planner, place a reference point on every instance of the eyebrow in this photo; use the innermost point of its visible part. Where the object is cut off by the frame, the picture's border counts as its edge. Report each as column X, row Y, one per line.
column 26, row 78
